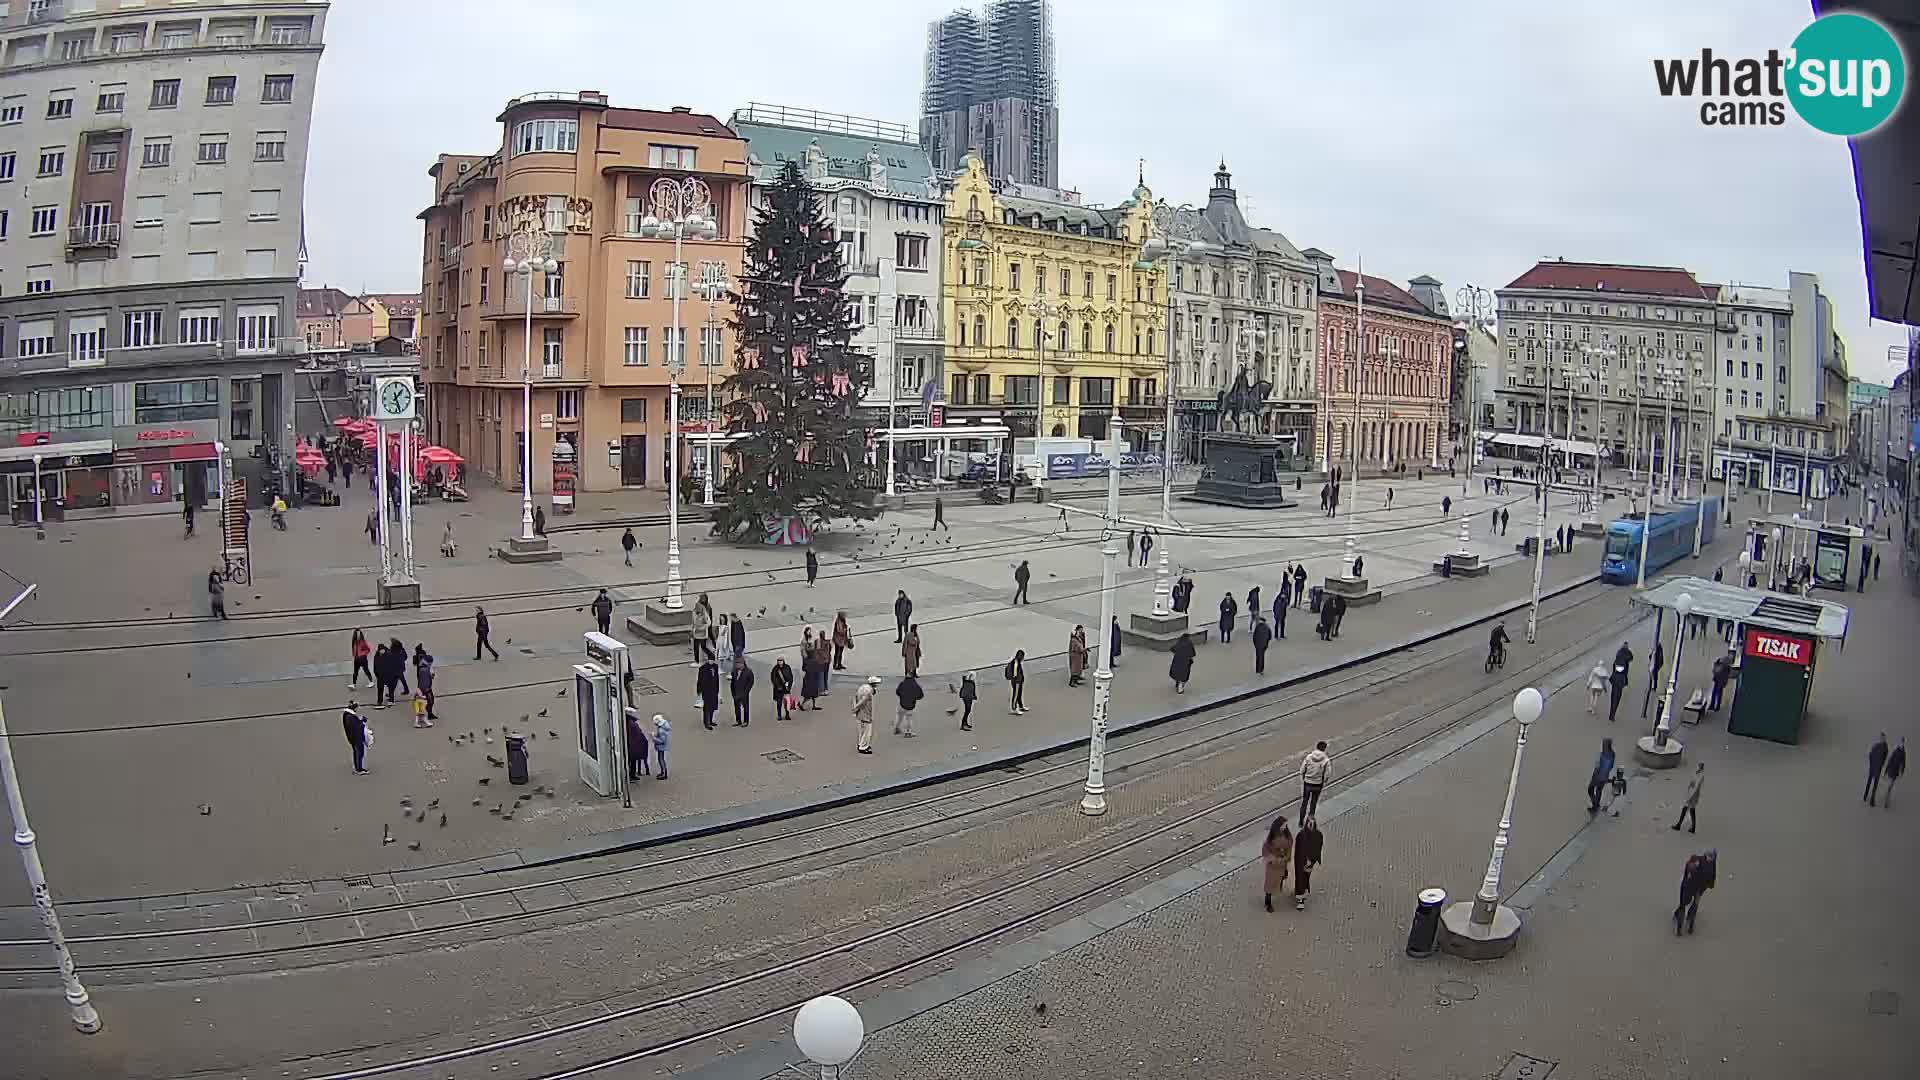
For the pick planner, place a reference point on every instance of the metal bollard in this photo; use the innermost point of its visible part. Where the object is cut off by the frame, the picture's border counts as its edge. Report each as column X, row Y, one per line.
column 1426, row 923
column 517, row 759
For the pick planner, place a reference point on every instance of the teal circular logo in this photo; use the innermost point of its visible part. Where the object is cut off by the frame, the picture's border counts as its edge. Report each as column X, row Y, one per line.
column 1848, row 74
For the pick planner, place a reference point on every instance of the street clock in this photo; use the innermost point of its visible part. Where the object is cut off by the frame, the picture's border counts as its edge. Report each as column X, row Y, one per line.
column 393, row 398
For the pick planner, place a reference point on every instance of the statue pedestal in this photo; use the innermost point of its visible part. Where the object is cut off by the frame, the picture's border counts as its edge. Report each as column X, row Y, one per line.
column 1242, row 470
column 1464, row 564
column 1159, row 632
column 1353, row 589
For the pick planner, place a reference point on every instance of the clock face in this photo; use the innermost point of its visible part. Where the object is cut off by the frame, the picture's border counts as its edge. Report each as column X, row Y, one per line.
column 396, row 396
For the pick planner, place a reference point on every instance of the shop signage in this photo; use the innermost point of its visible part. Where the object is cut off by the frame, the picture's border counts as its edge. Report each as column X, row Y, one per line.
column 1786, row 648
column 936, row 415
column 1081, row 466
column 187, row 431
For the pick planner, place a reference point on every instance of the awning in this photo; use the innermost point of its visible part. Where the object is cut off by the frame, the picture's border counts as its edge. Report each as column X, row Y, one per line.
column 1750, row 607
column 51, row 451
column 1576, row 447
column 1884, row 165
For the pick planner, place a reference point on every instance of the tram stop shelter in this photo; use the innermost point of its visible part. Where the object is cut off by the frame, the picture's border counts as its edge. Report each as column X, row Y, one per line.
column 1777, row 642
column 1833, row 550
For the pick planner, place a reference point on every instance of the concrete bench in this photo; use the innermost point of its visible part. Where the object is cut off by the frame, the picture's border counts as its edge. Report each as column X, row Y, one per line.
column 1695, row 710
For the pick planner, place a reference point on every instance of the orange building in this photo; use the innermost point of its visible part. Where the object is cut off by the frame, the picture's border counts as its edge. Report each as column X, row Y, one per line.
column 579, row 172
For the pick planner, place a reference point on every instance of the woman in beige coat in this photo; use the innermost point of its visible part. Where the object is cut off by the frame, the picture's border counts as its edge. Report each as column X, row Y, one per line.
column 1077, row 656
column 1277, row 853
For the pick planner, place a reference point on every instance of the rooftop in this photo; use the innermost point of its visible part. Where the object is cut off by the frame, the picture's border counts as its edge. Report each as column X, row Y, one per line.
column 1559, row 274
column 1381, row 293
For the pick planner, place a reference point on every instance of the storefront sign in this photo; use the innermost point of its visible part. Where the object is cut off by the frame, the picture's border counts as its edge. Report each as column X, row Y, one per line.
column 189, row 452
column 1082, row 466
column 1773, row 645
column 175, row 434
column 936, row 415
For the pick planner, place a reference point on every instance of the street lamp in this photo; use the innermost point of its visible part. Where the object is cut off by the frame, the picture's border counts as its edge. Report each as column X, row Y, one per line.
column 677, row 209
column 528, row 250
column 1663, row 731
column 1493, row 928
column 1175, row 237
column 829, row 1031
column 712, row 287
column 1094, row 802
column 1353, row 447
column 1477, row 305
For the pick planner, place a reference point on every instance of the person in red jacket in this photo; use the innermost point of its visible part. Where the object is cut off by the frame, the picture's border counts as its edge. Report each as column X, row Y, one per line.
column 361, row 651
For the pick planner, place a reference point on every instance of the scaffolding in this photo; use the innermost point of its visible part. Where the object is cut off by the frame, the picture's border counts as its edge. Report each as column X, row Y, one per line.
column 990, row 87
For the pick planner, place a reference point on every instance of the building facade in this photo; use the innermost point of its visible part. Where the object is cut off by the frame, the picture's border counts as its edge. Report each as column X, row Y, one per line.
column 334, row 321
column 879, row 191
column 1042, row 296
column 1476, row 385
column 990, row 91
column 152, row 172
column 1393, row 409
column 1244, row 299
column 1868, row 423
column 580, row 174
column 1779, row 396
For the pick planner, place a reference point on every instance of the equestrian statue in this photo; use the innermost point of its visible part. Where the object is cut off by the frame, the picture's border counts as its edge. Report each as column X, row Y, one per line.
column 1243, row 403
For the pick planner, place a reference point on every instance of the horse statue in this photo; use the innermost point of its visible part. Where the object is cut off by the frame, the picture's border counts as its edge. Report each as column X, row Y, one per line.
column 1241, row 403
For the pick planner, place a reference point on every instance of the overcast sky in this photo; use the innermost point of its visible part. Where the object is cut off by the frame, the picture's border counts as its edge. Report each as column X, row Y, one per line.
column 1458, row 140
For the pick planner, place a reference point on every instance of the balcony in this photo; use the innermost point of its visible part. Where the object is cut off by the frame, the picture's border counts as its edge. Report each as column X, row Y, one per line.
column 1144, row 401
column 103, row 236
column 912, row 332
column 864, row 268
column 514, row 306
column 450, row 254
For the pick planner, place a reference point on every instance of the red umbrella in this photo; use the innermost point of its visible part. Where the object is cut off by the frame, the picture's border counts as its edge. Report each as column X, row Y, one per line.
column 440, row 455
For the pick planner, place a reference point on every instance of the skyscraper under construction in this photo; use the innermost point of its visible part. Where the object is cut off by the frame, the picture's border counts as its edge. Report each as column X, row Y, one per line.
column 990, row 88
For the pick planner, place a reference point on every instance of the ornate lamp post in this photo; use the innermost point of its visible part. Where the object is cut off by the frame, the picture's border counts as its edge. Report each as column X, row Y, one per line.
column 1175, row 238
column 1659, row 750
column 677, row 209
column 712, row 288
column 1094, row 802
column 1484, row 928
column 829, row 1031
column 527, row 253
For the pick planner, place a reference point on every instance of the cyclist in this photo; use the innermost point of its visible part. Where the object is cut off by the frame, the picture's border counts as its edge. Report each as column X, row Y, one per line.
column 1497, row 646
column 280, row 513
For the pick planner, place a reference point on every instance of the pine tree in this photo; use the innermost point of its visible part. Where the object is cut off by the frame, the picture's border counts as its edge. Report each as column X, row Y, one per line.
column 796, row 380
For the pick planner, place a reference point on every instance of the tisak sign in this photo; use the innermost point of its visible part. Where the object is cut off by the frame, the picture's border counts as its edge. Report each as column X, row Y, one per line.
column 1785, row 648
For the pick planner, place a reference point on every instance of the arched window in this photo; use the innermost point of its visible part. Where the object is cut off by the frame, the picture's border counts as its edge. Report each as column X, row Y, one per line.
column 973, row 204
column 1213, row 373
column 1109, row 337
column 980, row 330
column 1013, row 333
column 1065, row 340
column 1036, row 334
column 1151, row 351
column 1086, row 337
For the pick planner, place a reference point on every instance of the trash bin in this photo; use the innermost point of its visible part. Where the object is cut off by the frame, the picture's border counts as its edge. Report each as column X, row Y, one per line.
column 1313, row 597
column 1446, row 566
column 1426, row 923
column 516, row 759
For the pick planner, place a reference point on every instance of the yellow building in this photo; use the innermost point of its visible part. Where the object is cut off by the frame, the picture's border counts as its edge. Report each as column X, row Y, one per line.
column 1044, row 293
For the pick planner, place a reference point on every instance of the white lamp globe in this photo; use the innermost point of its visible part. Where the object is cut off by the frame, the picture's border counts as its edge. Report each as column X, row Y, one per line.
column 550, row 266
column 1684, row 604
column 1153, row 249
column 829, row 1030
column 509, row 267
column 1527, row 706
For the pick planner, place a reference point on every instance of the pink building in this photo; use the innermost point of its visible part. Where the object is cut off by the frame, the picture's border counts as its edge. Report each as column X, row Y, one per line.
column 1398, row 396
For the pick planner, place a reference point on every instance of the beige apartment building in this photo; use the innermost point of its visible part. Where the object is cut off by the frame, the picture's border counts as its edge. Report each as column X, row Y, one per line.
column 579, row 173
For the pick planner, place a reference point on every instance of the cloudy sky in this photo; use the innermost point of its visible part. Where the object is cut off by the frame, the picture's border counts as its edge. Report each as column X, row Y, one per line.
column 1459, row 140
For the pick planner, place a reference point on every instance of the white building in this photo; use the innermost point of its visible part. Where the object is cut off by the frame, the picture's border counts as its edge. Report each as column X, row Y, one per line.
column 152, row 171
column 1776, row 424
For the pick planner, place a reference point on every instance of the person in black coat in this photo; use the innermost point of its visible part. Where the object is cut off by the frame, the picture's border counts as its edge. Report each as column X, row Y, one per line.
column 1299, row 584
column 707, row 686
column 1229, row 611
column 1617, row 679
column 781, row 680
column 1699, row 875
column 1262, row 637
column 636, row 748
column 902, row 612
column 1113, row 636
column 737, row 634
column 740, row 686
column 1253, row 607
column 1181, row 669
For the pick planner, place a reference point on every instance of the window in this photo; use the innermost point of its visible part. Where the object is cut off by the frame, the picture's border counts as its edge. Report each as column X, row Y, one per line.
column 258, row 327
column 1013, row 276
column 1113, row 292
column 910, row 252
column 633, row 347
column 485, row 280
column 3, row 236
column 1086, row 337
column 263, row 204
column 260, row 262
column 156, row 152
column 276, row 89
column 176, row 400
column 126, row 41
column 143, row 329
column 6, row 166
column 199, row 326
column 177, row 38
column 220, row 89
column 554, row 217
column 205, row 209
column 1086, row 285
column 534, row 136
column 166, row 93
column 1013, row 333
column 670, row 157
column 551, row 340
column 46, row 219
column 287, row 33
column 40, row 278
column 979, row 331
column 1062, row 390
column 566, row 405
column 633, row 410
column 113, row 99
column 36, row 337
column 480, row 344
column 243, row 393
column 53, row 162
column 213, row 150
column 270, row 146
column 13, row 109
column 103, row 159
column 1109, row 337
column 639, row 280
column 60, row 105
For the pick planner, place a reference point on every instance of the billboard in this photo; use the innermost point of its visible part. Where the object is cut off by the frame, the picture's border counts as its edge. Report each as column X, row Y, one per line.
column 1082, row 466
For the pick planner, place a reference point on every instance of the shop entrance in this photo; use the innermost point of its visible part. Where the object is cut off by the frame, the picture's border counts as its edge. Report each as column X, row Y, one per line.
column 633, row 460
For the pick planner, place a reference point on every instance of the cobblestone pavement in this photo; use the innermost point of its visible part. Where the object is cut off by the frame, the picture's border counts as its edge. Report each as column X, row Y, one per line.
column 241, row 718
column 556, row 963
column 1801, row 964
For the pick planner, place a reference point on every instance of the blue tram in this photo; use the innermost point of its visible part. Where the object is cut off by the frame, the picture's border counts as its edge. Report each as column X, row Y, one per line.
column 1672, row 537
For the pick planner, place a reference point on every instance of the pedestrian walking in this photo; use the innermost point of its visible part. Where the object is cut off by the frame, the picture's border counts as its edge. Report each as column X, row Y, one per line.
column 1308, row 846
column 1389, row 506
column 1876, row 765
column 1146, row 546
column 1617, row 680
column 482, row 632
column 1323, row 627
column 216, row 594
column 1560, row 538
column 636, row 747
column 1276, row 852
column 1022, row 576
column 1315, row 770
column 810, row 673
column 780, row 680
column 1866, row 567
column 1016, row 676
column 1722, row 672
column 359, row 735
column 1506, row 519
column 1655, row 662
column 1596, row 687
column 383, row 681
column 188, row 513
column 539, row 519
column 1876, row 566
column 908, row 695
column 1129, row 547
column 910, row 651
column 737, row 637
column 1262, row 637
column 740, row 689
column 1180, row 670
column 662, row 735
column 813, row 567
column 706, row 685
column 1896, row 765
column 1494, row 525
column 1339, row 605
column 361, row 651
column 940, row 514
column 1229, row 614
column 703, row 631
column 1691, row 807
column 603, row 612
column 863, row 712
column 1253, row 607
column 423, row 679
column 1299, row 584
column 902, row 612
column 627, row 543
column 823, row 660
column 969, row 693
column 1076, row 655
column 448, row 549
column 1697, row 877
column 1446, row 506
column 1113, row 643
column 842, row 640
column 1602, row 773
column 723, row 636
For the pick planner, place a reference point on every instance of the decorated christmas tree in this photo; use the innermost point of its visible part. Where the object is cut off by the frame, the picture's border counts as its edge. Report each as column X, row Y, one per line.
column 796, row 380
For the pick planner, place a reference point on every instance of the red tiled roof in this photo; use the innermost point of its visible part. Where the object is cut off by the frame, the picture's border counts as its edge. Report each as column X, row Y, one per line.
column 1612, row 277
column 684, row 123
column 1383, row 293
column 322, row 303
